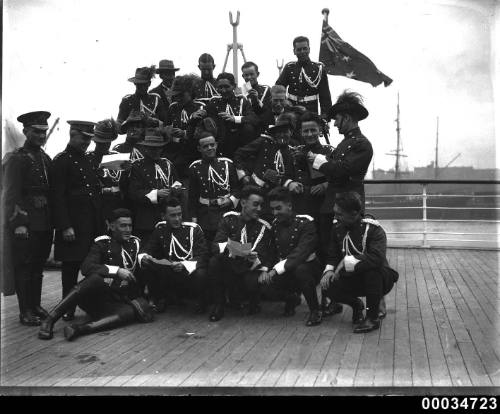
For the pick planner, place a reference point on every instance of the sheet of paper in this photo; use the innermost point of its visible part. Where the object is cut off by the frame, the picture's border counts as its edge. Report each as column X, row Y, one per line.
column 190, row 265
column 114, row 161
column 237, row 249
column 245, row 88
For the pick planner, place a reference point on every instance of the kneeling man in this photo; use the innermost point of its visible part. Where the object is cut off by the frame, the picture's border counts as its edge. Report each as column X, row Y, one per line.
column 109, row 293
column 357, row 263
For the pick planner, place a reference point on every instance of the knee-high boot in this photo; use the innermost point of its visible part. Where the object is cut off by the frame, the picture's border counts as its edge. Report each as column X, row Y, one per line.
column 109, row 322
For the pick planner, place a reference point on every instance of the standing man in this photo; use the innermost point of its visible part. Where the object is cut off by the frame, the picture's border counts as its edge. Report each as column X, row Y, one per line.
column 151, row 179
column 259, row 96
column 236, row 121
column 357, row 263
column 148, row 103
column 109, row 293
column 297, row 266
column 307, row 81
column 206, row 89
column 237, row 273
column 183, row 245
column 213, row 186
column 77, row 204
column 28, row 215
column 166, row 70
column 347, row 167
column 135, row 127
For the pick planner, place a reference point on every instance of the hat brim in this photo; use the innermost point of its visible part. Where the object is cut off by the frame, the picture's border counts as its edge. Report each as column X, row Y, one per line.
column 166, row 69
column 97, row 138
column 41, row 127
column 138, row 81
column 359, row 111
column 276, row 128
column 152, row 144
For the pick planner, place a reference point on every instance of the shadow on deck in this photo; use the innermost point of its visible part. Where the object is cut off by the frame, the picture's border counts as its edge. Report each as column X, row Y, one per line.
column 442, row 329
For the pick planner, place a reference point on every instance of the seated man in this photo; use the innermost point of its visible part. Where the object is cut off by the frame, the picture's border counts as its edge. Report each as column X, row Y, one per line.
column 357, row 263
column 182, row 247
column 295, row 240
column 236, row 271
column 109, row 293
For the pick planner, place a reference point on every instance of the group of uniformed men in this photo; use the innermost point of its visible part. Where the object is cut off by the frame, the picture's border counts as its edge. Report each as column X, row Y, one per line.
column 225, row 198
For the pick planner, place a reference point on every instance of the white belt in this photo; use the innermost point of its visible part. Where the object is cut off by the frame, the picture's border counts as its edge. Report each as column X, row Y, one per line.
column 206, row 201
column 111, row 190
column 258, row 181
column 309, row 98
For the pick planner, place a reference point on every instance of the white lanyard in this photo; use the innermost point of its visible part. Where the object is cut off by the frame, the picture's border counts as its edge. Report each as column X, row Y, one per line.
column 210, row 91
column 164, row 178
column 312, row 83
column 126, row 258
column 113, row 174
column 244, row 239
column 184, row 117
column 136, row 155
column 261, row 100
column 278, row 162
column 145, row 109
column 214, row 177
column 175, row 244
column 347, row 240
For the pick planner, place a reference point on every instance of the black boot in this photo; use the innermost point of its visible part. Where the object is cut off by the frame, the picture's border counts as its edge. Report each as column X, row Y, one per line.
column 367, row 325
column 36, row 296
column 314, row 318
column 291, row 302
column 217, row 313
column 357, row 311
column 28, row 318
column 109, row 322
column 23, row 292
column 69, row 302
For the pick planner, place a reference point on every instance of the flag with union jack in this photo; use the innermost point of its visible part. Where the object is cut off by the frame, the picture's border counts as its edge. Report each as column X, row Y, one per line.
column 341, row 59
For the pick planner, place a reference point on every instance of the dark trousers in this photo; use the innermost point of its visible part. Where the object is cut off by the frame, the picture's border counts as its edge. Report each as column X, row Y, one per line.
column 234, row 277
column 164, row 282
column 303, row 279
column 29, row 257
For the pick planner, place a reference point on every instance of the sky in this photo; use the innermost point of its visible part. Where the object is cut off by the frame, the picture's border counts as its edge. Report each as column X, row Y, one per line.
column 73, row 58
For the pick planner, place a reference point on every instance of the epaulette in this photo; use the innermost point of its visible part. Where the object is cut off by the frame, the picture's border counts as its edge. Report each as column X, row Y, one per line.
column 160, row 223
column 59, row 155
column 190, row 224
column 194, row 163
column 305, row 216
column 231, row 213
column 154, row 94
column 102, row 238
column 291, row 63
column 267, row 136
column 224, row 159
column 173, row 104
column 264, row 222
column 135, row 237
column 127, row 96
column 370, row 221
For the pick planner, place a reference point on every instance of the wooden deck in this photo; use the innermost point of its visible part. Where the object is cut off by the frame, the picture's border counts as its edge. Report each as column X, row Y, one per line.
column 442, row 329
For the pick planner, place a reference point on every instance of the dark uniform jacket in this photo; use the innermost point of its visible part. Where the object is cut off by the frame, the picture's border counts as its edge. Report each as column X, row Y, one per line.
column 306, row 203
column 304, row 84
column 182, row 151
column 265, row 151
column 26, row 189
column 208, row 182
column 347, row 167
column 258, row 233
column 161, row 91
column 185, row 243
column 205, row 90
column 107, row 256
column 150, row 104
column 366, row 241
column 295, row 242
column 145, row 179
column 77, row 203
column 262, row 106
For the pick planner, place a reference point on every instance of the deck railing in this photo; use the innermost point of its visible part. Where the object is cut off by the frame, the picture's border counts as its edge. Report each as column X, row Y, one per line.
column 476, row 220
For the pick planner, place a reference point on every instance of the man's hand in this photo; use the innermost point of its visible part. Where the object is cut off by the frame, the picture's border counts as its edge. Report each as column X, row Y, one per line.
column 146, row 260
column 272, row 176
column 318, row 190
column 126, row 165
column 327, row 279
column 253, row 94
column 21, row 232
column 266, row 278
column 178, row 133
column 164, row 193
column 177, row 267
column 251, row 257
column 68, row 234
column 311, row 156
column 296, row 187
column 246, row 180
column 125, row 275
column 226, row 117
column 225, row 202
column 200, row 113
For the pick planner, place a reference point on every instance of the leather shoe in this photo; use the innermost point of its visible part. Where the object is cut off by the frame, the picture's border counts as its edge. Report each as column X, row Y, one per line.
column 68, row 316
column 332, row 309
column 314, row 318
column 291, row 302
column 217, row 314
column 29, row 319
column 367, row 325
column 71, row 332
column 382, row 311
column 40, row 312
column 46, row 329
column 357, row 312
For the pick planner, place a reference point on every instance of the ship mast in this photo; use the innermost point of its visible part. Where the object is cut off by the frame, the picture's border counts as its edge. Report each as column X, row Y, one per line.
column 398, row 130
column 436, row 165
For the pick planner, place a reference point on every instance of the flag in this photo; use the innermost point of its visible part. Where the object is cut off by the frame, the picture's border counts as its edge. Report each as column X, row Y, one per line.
column 341, row 59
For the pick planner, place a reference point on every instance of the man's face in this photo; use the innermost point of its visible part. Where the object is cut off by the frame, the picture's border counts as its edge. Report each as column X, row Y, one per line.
column 301, row 50
column 206, row 70
column 121, row 228
column 281, row 210
column 183, row 98
column 153, row 153
column 135, row 132
column 167, row 76
column 282, row 136
column 79, row 141
column 250, row 74
column 224, row 87
column 278, row 103
column 173, row 216
column 36, row 137
column 252, row 206
column 207, row 148
column 310, row 132
column 346, row 218
column 341, row 123
column 142, row 88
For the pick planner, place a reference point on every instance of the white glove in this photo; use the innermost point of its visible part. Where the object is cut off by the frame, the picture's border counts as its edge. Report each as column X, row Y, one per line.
column 350, row 262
